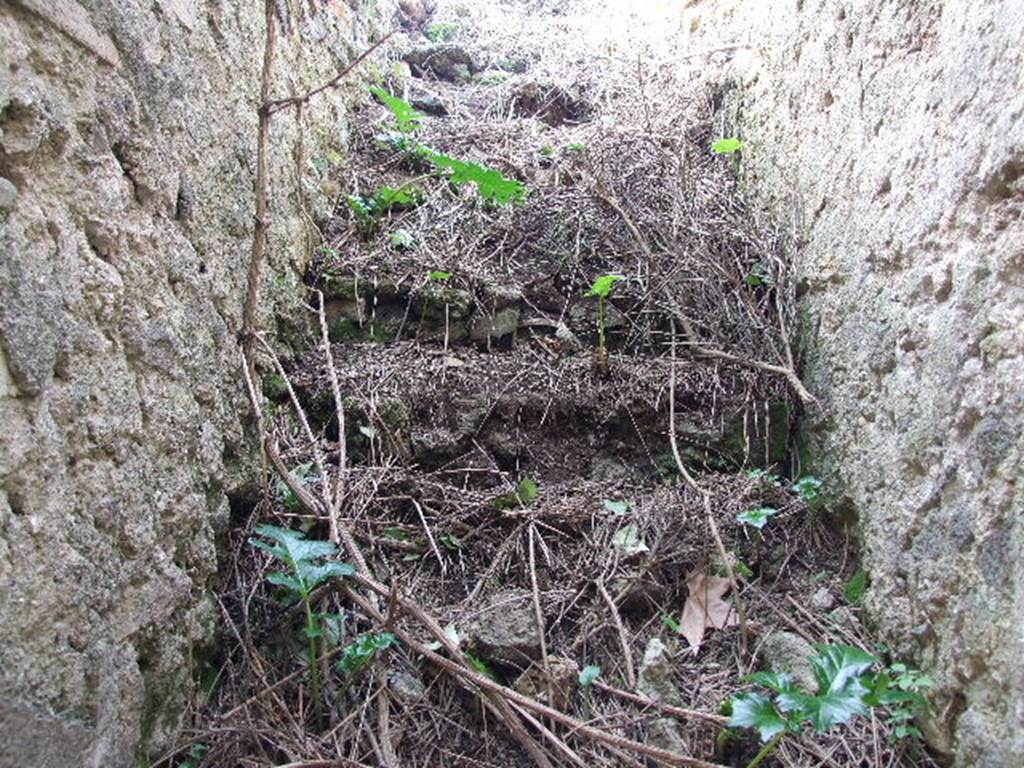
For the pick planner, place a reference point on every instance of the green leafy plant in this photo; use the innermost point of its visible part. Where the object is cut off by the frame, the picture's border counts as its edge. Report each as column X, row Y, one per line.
column 306, row 569
column 450, row 541
column 492, row 185
column 588, row 675
column 194, row 756
column 757, row 518
column 370, row 209
column 910, row 681
column 442, row 31
column 765, row 477
column 480, row 666
column 726, row 146
column 758, row 275
column 671, row 623
column 855, row 588
column 407, row 119
column 616, row 507
column 846, row 689
column 808, row 488
column 402, row 239
column 602, row 289
column 358, row 653
column 439, row 276
column 300, row 473
column 524, row 495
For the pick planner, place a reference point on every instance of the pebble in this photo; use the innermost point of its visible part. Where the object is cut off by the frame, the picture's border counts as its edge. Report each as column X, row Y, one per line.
column 8, row 195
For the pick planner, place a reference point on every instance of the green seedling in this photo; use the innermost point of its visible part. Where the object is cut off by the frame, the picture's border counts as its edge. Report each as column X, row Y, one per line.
column 588, row 675
column 194, row 756
column 402, row 239
column 524, row 495
column 855, row 588
column 480, row 666
column 757, row 518
column 726, row 146
column 370, row 209
column 602, row 289
column 360, row 652
column 407, row 119
column 765, row 477
column 300, row 473
column 758, row 275
column 305, row 570
column 808, row 488
column 450, row 541
column 492, row 186
column 615, row 507
column 439, row 276
column 846, row 689
column 442, row 31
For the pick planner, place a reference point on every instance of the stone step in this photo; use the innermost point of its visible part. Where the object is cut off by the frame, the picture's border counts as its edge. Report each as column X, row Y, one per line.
column 545, row 409
column 462, row 310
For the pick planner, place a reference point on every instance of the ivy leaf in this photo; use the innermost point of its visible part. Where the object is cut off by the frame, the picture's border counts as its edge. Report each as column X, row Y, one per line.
column 758, row 518
column 837, row 665
column 407, row 119
column 808, row 488
column 588, row 675
column 780, row 682
column 627, row 540
column 842, row 692
column 616, row 507
column 754, row 710
column 826, row 710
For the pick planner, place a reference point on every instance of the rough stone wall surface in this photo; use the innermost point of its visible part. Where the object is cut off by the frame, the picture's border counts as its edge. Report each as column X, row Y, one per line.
column 891, row 133
column 127, row 153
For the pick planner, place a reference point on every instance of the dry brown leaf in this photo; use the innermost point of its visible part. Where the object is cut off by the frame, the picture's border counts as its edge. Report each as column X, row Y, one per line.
column 705, row 608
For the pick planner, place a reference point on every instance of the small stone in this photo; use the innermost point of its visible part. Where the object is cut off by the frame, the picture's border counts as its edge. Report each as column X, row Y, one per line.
column 503, row 323
column 843, row 617
column 823, row 600
column 560, row 685
column 405, row 685
column 445, row 62
column 664, row 733
column 429, row 104
column 787, row 652
column 655, row 678
column 8, row 195
column 506, row 632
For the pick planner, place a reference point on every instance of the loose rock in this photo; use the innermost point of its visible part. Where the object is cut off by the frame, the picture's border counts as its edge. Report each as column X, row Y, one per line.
column 787, row 652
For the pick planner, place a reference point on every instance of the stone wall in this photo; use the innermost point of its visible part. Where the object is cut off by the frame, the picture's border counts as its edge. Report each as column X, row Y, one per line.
column 127, row 152
column 891, row 134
